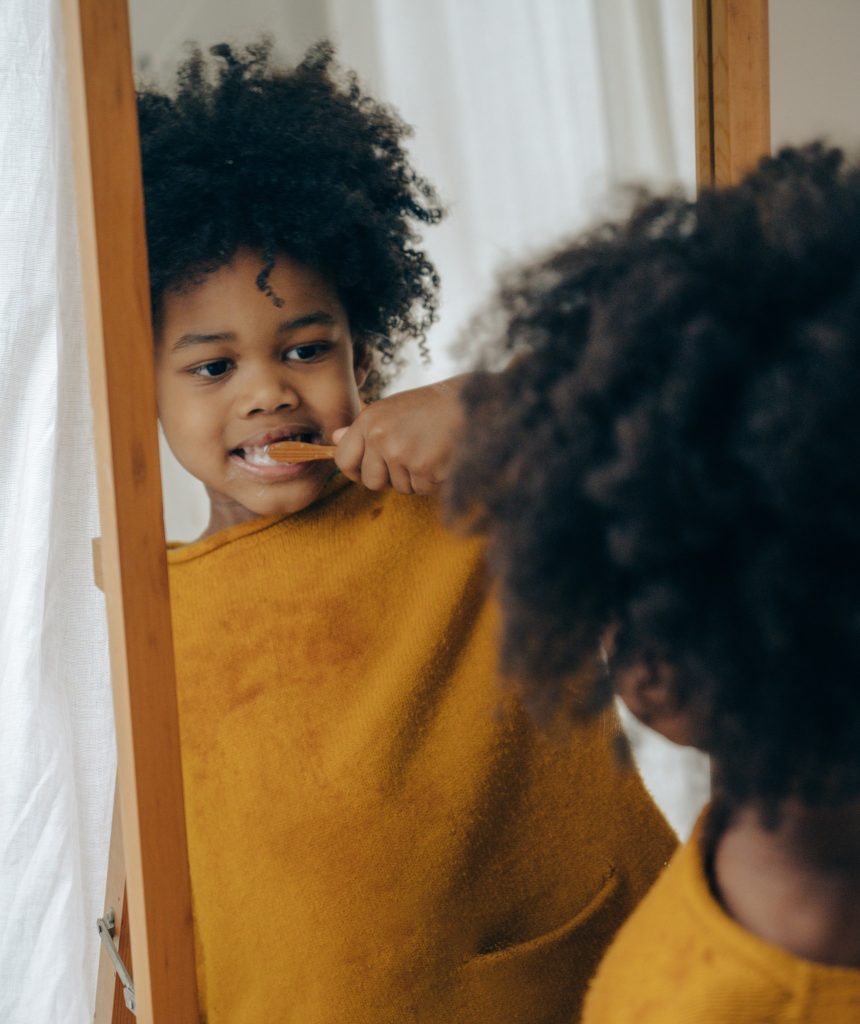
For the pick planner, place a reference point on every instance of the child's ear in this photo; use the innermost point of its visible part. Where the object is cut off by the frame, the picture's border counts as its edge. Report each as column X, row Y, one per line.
column 362, row 360
column 648, row 692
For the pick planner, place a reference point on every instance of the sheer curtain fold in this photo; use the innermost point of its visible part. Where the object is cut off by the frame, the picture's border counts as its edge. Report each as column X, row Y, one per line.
column 57, row 760
column 527, row 115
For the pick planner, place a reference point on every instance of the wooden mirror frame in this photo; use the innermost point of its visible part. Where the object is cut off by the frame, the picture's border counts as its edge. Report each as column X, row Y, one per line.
column 149, row 862
column 731, row 88
column 133, row 564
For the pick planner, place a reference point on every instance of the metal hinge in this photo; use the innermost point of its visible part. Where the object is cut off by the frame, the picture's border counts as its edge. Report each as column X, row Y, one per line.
column 106, row 927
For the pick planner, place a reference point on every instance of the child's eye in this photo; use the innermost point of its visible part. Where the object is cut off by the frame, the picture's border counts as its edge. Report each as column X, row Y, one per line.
column 306, row 353
column 211, row 371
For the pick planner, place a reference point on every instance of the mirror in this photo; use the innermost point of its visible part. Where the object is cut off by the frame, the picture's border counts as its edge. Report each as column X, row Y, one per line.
column 525, row 118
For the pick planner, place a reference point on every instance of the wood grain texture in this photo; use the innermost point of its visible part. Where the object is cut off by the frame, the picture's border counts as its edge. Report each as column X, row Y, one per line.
column 732, row 85
column 704, row 92
column 110, row 1004
column 134, row 570
column 121, row 1013
column 298, row 451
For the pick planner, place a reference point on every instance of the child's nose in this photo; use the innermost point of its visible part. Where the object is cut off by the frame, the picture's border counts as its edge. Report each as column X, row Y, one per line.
column 268, row 391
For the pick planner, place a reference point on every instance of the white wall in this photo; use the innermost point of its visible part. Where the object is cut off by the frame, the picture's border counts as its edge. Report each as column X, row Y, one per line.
column 160, row 29
column 815, row 72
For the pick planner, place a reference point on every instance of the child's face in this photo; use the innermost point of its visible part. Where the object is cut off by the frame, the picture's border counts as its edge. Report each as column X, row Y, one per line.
column 235, row 372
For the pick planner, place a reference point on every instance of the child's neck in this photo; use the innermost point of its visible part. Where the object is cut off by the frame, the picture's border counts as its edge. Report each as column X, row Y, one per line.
column 796, row 886
column 224, row 513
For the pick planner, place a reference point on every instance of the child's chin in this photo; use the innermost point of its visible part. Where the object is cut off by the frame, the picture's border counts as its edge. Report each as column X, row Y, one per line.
column 288, row 500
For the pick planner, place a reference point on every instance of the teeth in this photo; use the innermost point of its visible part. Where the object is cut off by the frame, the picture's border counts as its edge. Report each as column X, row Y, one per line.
column 259, row 454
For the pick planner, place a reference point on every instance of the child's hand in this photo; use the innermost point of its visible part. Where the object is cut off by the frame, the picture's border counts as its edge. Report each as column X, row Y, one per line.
column 405, row 441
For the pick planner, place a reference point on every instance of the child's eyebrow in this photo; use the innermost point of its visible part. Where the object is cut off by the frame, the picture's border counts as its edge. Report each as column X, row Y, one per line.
column 317, row 317
column 202, row 339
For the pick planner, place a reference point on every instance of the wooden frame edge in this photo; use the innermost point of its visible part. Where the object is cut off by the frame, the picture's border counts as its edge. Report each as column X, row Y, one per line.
column 110, row 1005
column 732, row 88
column 116, row 302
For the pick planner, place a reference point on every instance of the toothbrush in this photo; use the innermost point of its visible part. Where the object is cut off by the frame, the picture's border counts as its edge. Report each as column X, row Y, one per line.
column 298, row 451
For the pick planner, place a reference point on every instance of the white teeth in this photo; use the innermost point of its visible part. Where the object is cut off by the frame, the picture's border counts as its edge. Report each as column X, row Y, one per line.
column 259, row 456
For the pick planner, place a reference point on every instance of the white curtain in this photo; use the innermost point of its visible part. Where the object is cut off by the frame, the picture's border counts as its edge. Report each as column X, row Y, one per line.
column 528, row 115
column 57, row 760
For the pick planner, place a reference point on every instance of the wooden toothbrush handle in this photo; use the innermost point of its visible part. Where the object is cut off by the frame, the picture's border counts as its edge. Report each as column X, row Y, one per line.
column 298, row 451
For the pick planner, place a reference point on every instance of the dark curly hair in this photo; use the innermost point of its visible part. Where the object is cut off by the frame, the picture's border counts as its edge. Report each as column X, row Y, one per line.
column 299, row 162
column 672, row 451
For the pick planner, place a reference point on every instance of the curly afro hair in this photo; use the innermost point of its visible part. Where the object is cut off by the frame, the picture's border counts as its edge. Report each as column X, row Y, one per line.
column 672, row 452
column 298, row 162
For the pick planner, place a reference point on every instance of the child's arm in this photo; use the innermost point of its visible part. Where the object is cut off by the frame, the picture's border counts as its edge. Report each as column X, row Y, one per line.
column 405, row 441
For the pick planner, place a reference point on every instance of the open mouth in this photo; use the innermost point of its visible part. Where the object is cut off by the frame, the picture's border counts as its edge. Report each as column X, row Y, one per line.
column 258, row 455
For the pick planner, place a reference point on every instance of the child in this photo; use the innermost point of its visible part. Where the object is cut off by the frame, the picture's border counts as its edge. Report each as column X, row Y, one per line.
column 670, row 463
column 375, row 832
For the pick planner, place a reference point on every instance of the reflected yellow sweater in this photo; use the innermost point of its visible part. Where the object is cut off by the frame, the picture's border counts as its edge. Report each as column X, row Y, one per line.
column 681, row 960
column 376, row 832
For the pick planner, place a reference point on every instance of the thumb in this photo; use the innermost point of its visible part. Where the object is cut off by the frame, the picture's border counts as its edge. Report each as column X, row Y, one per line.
column 338, row 434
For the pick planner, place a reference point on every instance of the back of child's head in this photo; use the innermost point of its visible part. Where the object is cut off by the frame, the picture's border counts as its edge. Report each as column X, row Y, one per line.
column 673, row 453
column 299, row 161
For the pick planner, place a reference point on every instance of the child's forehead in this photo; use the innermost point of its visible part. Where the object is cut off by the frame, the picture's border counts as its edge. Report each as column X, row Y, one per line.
column 296, row 295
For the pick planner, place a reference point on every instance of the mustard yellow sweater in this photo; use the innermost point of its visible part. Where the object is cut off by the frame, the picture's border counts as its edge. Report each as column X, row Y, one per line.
column 377, row 833
column 681, row 960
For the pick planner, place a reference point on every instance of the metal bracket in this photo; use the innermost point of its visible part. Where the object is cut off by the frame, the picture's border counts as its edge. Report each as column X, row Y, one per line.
column 106, row 927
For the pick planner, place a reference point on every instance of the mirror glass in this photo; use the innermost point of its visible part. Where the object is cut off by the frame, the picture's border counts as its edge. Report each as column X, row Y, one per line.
column 527, row 117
